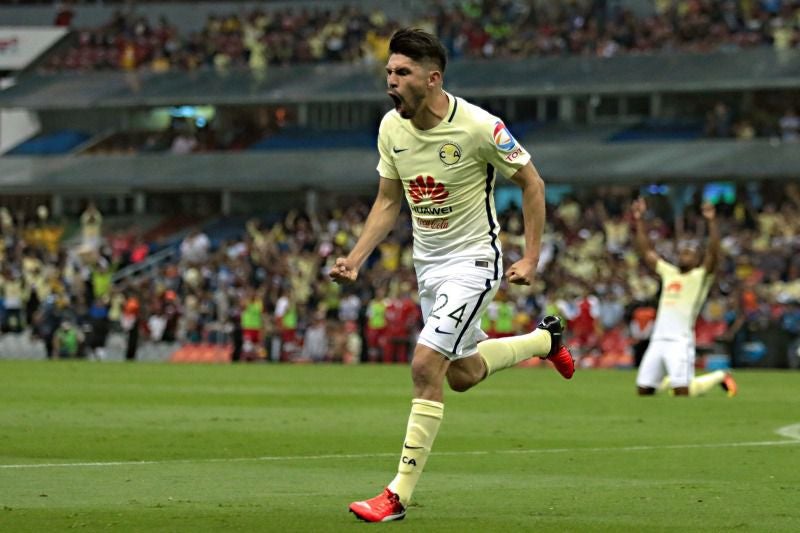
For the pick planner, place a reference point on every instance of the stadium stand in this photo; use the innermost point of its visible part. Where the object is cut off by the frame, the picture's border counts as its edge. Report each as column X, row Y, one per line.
column 59, row 142
column 197, row 297
column 233, row 155
column 289, row 35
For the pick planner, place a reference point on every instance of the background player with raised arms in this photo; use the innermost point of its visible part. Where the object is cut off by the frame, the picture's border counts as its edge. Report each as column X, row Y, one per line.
column 670, row 357
column 442, row 153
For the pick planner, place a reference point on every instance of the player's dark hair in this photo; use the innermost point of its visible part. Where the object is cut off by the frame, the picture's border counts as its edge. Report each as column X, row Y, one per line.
column 419, row 45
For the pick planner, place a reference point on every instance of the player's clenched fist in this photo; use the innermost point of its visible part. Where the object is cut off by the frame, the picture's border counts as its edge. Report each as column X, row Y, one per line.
column 522, row 272
column 343, row 270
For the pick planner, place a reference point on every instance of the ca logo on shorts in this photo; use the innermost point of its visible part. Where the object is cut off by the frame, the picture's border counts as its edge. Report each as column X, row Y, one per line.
column 449, row 153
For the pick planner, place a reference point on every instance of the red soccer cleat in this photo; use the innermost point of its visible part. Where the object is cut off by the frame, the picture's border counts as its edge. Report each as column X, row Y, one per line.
column 563, row 362
column 729, row 384
column 384, row 507
column 559, row 354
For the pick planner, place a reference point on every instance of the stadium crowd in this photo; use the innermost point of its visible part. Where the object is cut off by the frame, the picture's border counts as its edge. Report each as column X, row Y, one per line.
column 240, row 130
column 778, row 122
column 266, row 293
column 473, row 28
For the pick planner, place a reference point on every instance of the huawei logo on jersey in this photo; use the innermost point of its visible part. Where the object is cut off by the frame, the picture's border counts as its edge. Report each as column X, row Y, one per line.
column 427, row 187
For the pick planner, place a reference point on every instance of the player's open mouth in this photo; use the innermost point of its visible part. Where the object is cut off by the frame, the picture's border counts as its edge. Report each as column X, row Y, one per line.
column 396, row 100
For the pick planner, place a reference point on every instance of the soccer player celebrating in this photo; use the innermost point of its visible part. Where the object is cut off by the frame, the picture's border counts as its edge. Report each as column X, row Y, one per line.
column 442, row 153
column 684, row 288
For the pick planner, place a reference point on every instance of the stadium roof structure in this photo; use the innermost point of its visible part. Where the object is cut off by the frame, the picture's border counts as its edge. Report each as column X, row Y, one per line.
column 354, row 169
column 750, row 69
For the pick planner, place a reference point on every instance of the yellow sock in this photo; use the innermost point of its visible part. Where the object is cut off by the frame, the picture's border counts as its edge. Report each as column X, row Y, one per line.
column 703, row 384
column 498, row 354
column 423, row 424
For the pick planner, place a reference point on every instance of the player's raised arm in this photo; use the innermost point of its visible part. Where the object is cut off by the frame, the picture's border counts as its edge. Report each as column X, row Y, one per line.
column 711, row 258
column 642, row 241
column 380, row 222
column 533, row 212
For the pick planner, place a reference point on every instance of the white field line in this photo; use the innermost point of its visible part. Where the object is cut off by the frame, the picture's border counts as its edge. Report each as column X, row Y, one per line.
column 791, row 432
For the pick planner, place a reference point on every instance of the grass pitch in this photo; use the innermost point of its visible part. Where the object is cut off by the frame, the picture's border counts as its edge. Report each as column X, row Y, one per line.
column 154, row 447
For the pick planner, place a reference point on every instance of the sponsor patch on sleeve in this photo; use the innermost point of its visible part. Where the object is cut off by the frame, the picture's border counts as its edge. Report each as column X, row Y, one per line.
column 503, row 138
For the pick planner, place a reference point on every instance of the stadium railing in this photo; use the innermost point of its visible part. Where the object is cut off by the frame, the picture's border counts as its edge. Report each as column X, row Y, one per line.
column 354, row 169
column 760, row 68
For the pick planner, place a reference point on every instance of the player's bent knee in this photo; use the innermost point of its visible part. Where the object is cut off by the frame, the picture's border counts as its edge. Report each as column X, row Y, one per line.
column 421, row 374
column 428, row 369
column 464, row 374
column 459, row 385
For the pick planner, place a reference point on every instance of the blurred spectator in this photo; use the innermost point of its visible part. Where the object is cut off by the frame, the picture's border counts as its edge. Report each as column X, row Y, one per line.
column 91, row 226
column 139, row 251
column 67, row 341
column 349, row 307
column 376, row 325
column 253, row 323
column 235, row 330
column 184, row 143
column 789, row 125
column 315, row 341
column 719, row 121
column 194, row 249
column 584, row 324
column 130, row 324
column 157, row 323
column 64, row 14
column 286, row 315
column 743, row 130
column 101, row 276
column 500, row 314
column 402, row 324
column 12, row 302
column 98, row 328
column 47, row 320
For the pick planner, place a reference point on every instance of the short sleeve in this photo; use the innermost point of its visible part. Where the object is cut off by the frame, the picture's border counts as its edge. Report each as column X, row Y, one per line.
column 385, row 166
column 664, row 269
column 702, row 273
column 503, row 151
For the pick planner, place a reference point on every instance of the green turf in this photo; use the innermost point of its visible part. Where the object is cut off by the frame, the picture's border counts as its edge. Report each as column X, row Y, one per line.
column 286, row 448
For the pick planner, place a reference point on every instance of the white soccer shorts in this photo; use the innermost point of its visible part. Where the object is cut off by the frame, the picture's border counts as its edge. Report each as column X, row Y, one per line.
column 675, row 358
column 452, row 308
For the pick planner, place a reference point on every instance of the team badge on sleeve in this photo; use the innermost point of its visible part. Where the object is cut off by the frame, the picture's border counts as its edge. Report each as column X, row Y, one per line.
column 503, row 138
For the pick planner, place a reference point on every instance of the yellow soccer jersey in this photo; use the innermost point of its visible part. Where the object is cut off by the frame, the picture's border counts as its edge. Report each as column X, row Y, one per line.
column 682, row 296
column 448, row 175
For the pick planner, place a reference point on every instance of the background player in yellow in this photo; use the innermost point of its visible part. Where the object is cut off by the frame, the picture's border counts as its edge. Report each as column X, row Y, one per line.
column 441, row 153
column 670, row 357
